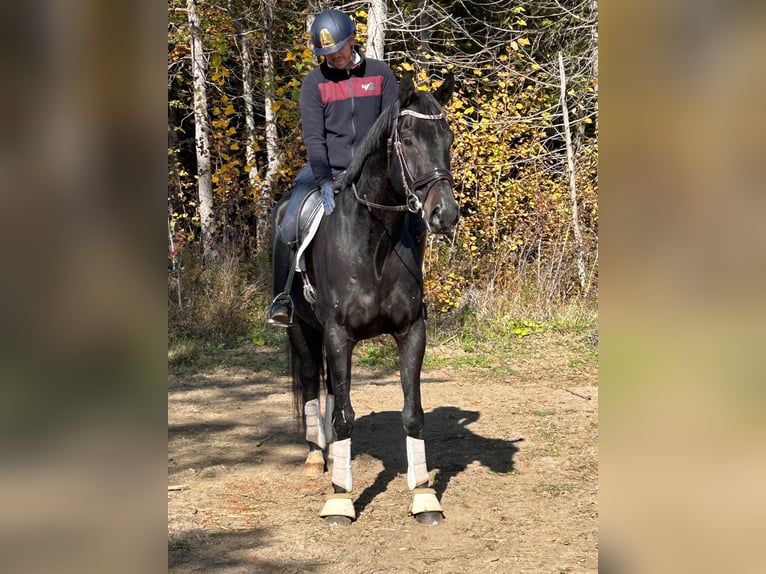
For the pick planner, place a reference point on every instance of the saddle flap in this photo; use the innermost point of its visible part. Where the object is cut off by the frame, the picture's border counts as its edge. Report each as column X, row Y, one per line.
column 299, row 214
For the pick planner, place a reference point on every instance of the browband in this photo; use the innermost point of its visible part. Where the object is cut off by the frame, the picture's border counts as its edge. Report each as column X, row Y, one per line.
column 421, row 116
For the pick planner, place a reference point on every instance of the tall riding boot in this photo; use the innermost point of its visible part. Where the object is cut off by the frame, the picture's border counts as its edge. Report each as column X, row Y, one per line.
column 286, row 212
column 281, row 308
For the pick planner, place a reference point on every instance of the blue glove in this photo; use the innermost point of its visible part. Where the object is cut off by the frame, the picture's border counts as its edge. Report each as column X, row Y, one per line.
column 328, row 197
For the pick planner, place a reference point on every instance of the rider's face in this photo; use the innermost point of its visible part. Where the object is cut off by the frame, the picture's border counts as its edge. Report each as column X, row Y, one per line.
column 343, row 58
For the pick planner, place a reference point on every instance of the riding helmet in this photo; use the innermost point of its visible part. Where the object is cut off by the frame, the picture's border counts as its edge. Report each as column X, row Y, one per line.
column 330, row 32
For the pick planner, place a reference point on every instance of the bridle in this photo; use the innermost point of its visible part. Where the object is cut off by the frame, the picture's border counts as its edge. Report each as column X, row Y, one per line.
column 428, row 180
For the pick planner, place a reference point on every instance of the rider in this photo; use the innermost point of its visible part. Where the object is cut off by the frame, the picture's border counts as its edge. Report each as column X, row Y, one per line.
column 340, row 100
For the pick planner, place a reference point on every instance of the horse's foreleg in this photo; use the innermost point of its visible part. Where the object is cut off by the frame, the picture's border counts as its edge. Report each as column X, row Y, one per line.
column 319, row 430
column 411, row 345
column 425, row 507
column 319, row 434
column 339, row 508
column 307, row 360
column 315, row 437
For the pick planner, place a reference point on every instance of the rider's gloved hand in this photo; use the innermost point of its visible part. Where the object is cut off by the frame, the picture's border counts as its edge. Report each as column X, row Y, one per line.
column 328, row 197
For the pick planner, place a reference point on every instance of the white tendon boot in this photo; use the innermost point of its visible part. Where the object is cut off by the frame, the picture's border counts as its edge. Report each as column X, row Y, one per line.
column 417, row 471
column 315, row 428
column 423, row 499
column 340, row 504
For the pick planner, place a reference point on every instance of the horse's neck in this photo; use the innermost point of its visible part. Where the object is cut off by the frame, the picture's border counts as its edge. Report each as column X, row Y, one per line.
column 373, row 234
column 374, row 186
column 374, row 181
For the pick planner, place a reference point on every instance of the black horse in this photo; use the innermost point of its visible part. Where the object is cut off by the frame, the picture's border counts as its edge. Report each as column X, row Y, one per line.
column 365, row 266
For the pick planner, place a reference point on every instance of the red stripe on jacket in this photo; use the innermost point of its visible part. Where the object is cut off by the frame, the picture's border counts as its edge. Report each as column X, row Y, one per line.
column 338, row 91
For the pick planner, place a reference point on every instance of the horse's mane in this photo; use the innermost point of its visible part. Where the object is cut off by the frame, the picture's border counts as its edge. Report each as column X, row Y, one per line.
column 373, row 141
column 376, row 138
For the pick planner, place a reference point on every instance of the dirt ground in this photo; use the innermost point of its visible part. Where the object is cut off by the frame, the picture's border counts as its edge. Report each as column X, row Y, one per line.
column 512, row 454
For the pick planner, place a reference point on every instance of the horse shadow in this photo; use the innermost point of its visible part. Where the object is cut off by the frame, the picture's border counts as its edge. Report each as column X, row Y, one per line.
column 450, row 447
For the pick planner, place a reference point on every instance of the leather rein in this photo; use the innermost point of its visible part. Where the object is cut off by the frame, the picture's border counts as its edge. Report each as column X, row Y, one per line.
column 414, row 204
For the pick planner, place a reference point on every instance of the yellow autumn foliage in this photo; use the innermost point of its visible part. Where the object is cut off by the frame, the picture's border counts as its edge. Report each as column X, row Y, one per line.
column 509, row 168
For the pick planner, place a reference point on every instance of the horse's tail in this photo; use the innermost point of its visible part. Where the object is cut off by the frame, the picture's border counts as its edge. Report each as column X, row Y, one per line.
column 305, row 362
column 294, row 365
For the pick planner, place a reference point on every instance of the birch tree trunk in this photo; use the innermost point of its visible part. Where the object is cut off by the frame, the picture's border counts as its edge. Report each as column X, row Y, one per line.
column 423, row 30
column 309, row 22
column 243, row 42
column 572, row 179
column 376, row 29
column 273, row 157
column 594, row 39
column 201, row 131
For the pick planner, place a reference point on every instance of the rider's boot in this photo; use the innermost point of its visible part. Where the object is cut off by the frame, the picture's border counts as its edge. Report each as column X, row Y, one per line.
column 281, row 308
column 280, row 311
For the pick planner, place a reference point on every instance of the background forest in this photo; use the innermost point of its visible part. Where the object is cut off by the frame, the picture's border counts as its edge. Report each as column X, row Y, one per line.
column 525, row 157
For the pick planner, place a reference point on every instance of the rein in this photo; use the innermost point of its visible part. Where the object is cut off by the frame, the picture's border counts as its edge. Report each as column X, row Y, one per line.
column 414, row 204
column 369, row 203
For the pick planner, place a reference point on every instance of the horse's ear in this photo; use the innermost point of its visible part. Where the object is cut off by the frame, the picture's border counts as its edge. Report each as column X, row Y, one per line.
column 444, row 92
column 406, row 89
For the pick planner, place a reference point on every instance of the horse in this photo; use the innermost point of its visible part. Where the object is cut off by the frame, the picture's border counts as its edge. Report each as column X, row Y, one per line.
column 364, row 267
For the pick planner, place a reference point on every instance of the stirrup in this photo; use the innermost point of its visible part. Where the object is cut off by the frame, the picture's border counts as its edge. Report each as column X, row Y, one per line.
column 280, row 311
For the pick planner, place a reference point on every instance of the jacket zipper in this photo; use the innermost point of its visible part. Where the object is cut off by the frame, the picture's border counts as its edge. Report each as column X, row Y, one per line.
column 353, row 107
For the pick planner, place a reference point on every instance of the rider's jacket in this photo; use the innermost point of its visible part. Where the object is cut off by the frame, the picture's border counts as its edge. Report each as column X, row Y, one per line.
column 338, row 107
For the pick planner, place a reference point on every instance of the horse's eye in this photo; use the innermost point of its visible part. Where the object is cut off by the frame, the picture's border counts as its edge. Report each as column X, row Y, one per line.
column 407, row 141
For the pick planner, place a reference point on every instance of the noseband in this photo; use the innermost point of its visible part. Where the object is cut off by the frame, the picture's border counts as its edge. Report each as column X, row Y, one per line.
column 428, row 180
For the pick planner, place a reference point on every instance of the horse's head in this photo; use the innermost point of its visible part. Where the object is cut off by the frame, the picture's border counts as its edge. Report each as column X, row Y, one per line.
column 420, row 159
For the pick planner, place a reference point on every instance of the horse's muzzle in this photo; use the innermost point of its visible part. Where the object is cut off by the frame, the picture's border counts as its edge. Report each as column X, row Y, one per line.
column 441, row 211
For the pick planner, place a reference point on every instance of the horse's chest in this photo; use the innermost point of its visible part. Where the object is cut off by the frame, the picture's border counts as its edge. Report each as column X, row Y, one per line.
column 370, row 295
column 379, row 303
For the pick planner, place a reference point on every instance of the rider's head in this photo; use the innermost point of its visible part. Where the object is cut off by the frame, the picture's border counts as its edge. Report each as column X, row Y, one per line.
column 333, row 34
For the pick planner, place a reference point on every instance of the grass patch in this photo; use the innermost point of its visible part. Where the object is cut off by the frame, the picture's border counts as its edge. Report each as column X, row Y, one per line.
column 435, row 362
column 265, row 335
column 220, row 322
column 479, row 361
column 577, row 362
column 221, row 302
column 188, row 356
column 378, row 353
column 183, row 352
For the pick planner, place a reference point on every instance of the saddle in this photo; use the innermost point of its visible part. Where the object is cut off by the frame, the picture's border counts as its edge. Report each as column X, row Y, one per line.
column 301, row 212
column 296, row 230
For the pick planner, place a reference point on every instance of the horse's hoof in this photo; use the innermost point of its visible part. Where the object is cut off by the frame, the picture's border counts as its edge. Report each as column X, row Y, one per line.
column 313, row 470
column 425, row 507
column 337, row 520
column 338, row 509
column 315, row 464
column 432, row 518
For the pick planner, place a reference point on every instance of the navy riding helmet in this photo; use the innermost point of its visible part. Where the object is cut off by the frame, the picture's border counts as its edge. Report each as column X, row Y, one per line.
column 330, row 32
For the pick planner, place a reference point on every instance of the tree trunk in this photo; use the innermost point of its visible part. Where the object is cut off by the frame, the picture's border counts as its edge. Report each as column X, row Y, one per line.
column 201, row 131
column 572, row 180
column 309, row 21
column 376, row 29
column 594, row 54
column 243, row 42
column 273, row 157
column 423, row 33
